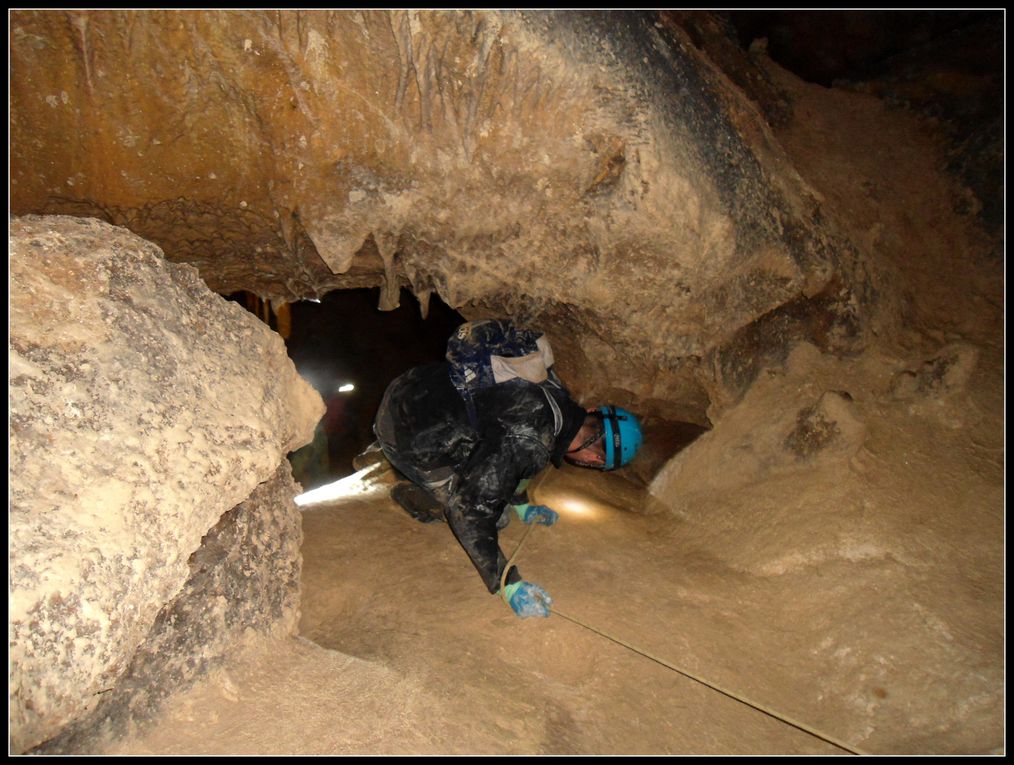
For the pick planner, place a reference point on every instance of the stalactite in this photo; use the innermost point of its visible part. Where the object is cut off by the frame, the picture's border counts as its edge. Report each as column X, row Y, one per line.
column 423, row 296
column 283, row 318
column 387, row 246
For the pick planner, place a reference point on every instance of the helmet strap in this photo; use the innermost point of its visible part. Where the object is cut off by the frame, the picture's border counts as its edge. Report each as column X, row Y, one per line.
column 580, row 463
column 594, row 436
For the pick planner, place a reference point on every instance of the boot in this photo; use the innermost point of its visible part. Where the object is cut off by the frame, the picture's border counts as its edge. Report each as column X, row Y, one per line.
column 371, row 455
column 417, row 502
column 505, row 518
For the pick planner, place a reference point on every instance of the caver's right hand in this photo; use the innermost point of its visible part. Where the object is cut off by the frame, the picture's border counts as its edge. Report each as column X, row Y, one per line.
column 527, row 599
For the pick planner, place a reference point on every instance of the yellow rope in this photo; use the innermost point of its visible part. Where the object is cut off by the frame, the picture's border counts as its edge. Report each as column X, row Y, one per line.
column 759, row 707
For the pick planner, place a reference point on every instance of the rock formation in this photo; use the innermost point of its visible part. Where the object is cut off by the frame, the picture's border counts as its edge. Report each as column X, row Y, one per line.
column 143, row 409
column 594, row 173
column 704, row 237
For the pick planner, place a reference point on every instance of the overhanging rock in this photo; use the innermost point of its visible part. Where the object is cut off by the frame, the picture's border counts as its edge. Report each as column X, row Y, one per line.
column 594, row 173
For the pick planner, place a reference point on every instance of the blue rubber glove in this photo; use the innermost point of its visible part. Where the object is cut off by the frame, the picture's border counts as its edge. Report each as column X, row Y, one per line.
column 527, row 599
column 539, row 514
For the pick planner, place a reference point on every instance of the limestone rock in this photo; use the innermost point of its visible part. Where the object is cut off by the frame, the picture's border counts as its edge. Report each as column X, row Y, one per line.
column 943, row 375
column 590, row 173
column 831, row 424
column 244, row 582
column 878, row 533
column 768, row 433
column 142, row 407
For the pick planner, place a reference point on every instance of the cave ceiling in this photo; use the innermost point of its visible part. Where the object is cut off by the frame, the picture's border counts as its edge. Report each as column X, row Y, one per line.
column 592, row 172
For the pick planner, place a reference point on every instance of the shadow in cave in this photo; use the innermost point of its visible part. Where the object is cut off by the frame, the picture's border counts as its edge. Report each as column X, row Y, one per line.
column 349, row 351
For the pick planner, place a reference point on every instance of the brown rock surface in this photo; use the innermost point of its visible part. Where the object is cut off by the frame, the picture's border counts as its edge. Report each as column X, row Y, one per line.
column 243, row 588
column 592, row 173
column 833, row 547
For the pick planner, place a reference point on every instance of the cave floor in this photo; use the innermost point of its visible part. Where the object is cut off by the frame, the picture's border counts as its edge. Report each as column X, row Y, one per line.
column 402, row 650
column 861, row 598
column 492, row 683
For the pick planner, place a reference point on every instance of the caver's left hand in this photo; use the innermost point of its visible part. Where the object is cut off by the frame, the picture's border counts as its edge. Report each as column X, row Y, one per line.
column 540, row 514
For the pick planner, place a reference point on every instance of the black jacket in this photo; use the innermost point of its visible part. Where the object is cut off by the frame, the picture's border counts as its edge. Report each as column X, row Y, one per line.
column 519, row 432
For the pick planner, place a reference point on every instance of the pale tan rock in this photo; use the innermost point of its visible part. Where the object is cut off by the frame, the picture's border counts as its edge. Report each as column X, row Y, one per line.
column 142, row 407
column 243, row 588
column 867, row 536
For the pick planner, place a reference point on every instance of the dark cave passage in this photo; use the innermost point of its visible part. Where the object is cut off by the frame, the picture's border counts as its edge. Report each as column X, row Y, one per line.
column 827, row 45
column 349, row 351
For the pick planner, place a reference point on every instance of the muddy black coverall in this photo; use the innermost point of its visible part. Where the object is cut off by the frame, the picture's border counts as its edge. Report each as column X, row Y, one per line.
column 424, row 430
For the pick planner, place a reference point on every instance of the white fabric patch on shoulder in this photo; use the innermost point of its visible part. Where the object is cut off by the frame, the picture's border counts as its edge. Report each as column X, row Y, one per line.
column 530, row 367
column 557, row 414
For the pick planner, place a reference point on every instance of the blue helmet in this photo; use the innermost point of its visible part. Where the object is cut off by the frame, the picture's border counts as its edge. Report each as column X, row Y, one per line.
column 623, row 436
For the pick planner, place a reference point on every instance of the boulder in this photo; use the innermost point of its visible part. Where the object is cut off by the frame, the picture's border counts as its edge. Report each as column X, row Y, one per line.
column 143, row 407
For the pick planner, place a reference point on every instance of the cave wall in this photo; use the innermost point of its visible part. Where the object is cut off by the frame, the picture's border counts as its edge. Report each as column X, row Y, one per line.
column 594, row 173
column 143, row 408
